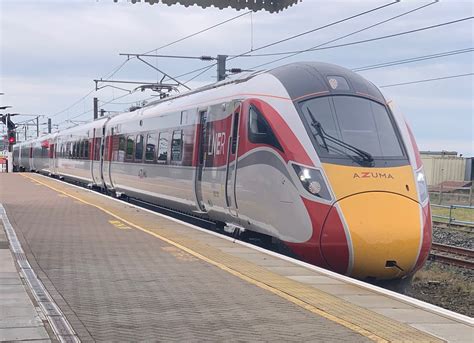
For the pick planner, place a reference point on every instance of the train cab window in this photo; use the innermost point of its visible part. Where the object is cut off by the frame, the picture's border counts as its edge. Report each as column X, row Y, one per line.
column 163, row 142
column 150, row 147
column 177, row 146
column 139, row 149
column 129, row 151
column 352, row 128
column 259, row 129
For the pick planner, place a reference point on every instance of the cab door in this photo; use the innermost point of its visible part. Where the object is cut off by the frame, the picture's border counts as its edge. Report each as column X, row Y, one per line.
column 232, row 160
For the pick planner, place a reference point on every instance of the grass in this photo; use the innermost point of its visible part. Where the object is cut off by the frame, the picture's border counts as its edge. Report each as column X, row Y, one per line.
column 464, row 214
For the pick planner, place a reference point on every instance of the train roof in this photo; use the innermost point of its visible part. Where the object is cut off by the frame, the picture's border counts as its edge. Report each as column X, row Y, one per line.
column 303, row 79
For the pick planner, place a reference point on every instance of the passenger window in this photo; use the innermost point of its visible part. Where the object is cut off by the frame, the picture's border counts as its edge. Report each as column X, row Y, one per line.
column 129, row 151
column 163, row 148
column 177, row 145
column 86, row 150
column 260, row 131
column 97, row 149
column 150, row 147
column 120, row 155
column 81, row 150
column 235, row 131
column 139, row 149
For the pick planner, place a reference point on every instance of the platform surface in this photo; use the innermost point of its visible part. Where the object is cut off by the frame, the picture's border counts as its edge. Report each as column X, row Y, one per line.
column 119, row 273
column 19, row 319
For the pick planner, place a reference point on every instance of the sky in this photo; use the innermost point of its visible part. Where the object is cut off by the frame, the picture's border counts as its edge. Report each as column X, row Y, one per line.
column 52, row 50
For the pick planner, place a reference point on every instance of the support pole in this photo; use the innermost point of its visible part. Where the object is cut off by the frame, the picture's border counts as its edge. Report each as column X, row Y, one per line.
column 221, row 67
column 96, row 108
column 49, row 125
column 37, row 126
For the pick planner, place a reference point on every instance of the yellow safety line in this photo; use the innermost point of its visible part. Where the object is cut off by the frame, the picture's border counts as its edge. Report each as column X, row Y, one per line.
column 257, row 283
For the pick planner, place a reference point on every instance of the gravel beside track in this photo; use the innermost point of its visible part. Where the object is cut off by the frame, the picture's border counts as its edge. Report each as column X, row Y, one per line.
column 446, row 286
column 453, row 237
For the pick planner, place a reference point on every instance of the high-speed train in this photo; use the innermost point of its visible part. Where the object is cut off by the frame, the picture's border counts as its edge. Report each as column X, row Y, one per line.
column 310, row 154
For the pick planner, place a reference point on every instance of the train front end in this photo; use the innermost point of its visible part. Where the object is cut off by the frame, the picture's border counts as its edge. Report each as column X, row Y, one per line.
column 370, row 213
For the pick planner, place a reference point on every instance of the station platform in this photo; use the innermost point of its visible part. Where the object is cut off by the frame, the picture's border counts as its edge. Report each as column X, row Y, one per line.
column 105, row 270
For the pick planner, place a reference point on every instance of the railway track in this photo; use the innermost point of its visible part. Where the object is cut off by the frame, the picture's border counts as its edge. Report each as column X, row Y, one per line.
column 452, row 255
column 461, row 228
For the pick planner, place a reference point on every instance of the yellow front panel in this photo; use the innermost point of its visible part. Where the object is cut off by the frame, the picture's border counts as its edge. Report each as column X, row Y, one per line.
column 383, row 227
column 347, row 180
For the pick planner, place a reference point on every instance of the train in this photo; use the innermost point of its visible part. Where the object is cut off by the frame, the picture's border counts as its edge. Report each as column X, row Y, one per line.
column 310, row 154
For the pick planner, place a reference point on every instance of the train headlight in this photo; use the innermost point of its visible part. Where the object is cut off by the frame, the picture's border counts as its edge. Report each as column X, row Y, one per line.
column 312, row 181
column 422, row 188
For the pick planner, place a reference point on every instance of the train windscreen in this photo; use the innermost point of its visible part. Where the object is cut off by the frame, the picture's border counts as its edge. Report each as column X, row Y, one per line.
column 348, row 127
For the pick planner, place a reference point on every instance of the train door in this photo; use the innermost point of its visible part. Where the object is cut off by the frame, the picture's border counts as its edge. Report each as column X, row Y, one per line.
column 95, row 157
column 202, row 138
column 102, row 156
column 30, row 157
column 51, row 154
column 107, row 164
column 231, row 170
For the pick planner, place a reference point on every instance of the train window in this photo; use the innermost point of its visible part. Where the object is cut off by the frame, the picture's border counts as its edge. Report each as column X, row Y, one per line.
column 97, row 149
column 177, row 145
column 163, row 141
column 235, row 132
column 340, row 122
column 150, row 147
column 86, row 149
column 74, row 150
column 259, row 129
column 68, row 150
column 129, row 151
column 118, row 148
column 81, row 150
column 139, row 149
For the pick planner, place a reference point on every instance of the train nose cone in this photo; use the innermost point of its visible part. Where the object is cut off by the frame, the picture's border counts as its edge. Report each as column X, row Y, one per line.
column 383, row 232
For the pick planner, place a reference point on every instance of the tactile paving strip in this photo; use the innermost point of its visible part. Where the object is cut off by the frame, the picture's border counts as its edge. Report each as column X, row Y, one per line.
column 366, row 322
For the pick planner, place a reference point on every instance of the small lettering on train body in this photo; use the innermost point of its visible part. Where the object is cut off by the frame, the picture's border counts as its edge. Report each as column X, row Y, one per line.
column 216, row 144
column 372, row 175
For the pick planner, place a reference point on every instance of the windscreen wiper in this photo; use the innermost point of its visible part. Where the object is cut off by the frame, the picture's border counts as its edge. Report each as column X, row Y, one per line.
column 325, row 136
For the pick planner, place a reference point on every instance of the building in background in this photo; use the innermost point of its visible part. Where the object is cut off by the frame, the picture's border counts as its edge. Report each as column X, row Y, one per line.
column 442, row 166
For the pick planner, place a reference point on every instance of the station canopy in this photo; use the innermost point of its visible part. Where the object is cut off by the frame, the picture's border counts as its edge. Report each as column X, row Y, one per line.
column 254, row 5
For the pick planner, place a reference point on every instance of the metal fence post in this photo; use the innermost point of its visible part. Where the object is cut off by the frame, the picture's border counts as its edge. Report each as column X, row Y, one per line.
column 440, row 193
column 450, row 215
column 470, row 194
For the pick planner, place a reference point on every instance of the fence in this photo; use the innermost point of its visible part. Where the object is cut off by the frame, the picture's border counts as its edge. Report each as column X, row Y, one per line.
column 453, row 214
column 452, row 195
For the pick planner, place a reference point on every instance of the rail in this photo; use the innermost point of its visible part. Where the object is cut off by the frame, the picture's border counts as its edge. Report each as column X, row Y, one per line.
column 450, row 217
column 452, row 255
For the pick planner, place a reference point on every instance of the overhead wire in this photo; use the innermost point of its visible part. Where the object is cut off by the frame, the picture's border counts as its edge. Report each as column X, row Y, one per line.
column 320, row 47
column 426, row 80
column 413, row 59
column 296, row 36
column 351, row 33
column 317, row 29
column 120, row 66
